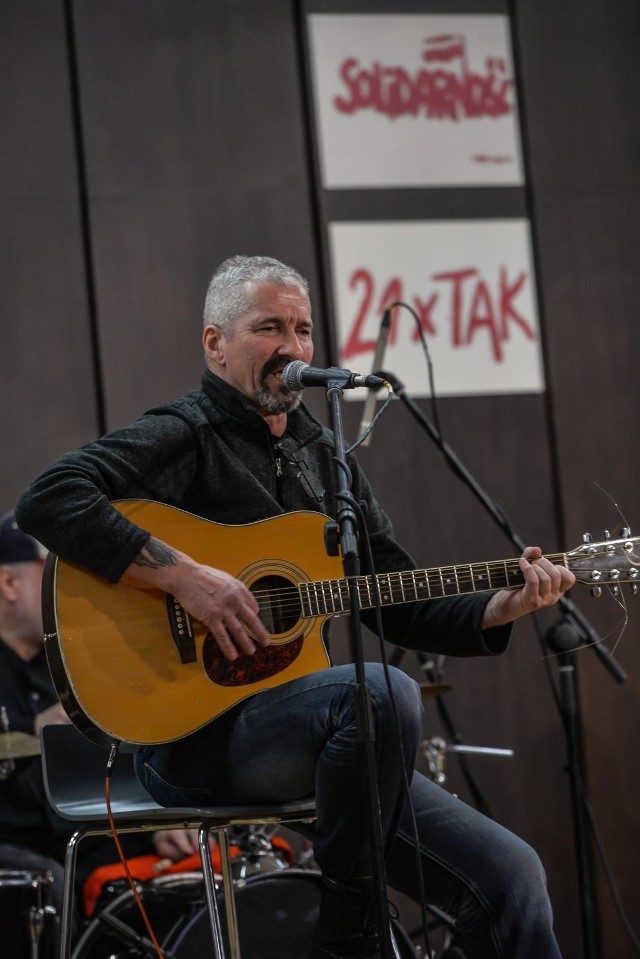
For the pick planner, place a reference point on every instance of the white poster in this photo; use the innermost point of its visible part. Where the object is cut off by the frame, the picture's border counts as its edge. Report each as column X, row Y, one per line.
column 470, row 287
column 414, row 101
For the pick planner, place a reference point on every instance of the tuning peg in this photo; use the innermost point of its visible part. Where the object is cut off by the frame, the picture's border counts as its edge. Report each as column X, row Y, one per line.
column 625, row 532
column 587, row 538
column 634, row 589
column 596, row 591
column 607, row 534
column 615, row 590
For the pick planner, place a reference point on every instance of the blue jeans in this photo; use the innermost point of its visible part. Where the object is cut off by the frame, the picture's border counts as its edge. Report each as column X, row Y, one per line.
column 299, row 739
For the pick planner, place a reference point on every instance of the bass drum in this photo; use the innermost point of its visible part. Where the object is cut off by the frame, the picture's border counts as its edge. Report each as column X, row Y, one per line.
column 117, row 925
column 277, row 914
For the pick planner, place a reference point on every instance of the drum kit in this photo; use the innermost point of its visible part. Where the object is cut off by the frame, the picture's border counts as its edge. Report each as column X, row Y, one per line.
column 277, row 900
column 277, row 896
column 26, row 894
column 277, row 904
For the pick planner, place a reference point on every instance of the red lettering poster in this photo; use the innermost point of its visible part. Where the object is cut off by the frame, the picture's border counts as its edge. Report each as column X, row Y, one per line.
column 406, row 100
column 470, row 288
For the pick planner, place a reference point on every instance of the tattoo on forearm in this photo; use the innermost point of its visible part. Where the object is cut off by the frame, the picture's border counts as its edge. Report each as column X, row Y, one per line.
column 155, row 555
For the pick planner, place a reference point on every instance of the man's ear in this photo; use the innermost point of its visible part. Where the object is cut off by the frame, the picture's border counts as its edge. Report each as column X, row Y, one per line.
column 213, row 343
column 8, row 583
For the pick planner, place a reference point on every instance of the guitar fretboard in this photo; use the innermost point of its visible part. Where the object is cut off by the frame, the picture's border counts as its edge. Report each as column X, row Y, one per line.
column 332, row 596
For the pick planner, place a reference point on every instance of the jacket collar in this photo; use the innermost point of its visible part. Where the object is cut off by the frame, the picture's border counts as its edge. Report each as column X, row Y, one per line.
column 302, row 427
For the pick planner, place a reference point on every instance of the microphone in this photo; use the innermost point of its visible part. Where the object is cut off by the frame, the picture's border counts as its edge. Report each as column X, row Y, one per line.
column 378, row 359
column 296, row 375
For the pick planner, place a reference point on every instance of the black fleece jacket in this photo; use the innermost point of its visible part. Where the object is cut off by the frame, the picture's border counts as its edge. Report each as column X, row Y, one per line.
column 210, row 453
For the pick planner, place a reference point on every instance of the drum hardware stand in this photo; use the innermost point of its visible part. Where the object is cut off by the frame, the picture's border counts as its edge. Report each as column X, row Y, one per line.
column 145, row 949
column 257, row 853
column 38, row 914
column 434, row 689
column 582, row 634
column 344, row 534
column 436, row 748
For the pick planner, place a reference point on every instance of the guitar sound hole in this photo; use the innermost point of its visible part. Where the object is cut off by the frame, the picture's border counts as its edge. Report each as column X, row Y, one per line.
column 279, row 603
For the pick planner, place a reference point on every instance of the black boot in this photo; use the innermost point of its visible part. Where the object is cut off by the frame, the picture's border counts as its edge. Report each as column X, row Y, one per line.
column 346, row 926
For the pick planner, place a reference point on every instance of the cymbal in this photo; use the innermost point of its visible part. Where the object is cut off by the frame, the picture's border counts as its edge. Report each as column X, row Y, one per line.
column 15, row 745
column 429, row 690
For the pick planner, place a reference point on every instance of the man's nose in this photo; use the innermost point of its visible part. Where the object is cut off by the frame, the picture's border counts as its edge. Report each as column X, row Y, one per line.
column 292, row 345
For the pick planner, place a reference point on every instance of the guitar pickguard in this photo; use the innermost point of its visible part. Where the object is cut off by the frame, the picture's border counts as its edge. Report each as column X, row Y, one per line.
column 267, row 661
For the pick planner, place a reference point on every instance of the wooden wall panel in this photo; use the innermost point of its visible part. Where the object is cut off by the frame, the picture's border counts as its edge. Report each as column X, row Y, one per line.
column 46, row 374
column 192, row 117
column 194, row 127
column 580, row 80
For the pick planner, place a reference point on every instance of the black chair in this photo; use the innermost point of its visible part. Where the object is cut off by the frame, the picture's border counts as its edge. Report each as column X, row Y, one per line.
column 74, row 774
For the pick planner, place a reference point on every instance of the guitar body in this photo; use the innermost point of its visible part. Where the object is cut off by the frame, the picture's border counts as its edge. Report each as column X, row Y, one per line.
column 115, row 651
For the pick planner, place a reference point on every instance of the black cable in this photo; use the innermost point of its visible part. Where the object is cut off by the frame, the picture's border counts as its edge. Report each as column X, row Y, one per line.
column 479, row 800
column 365, row 433
column 427, row 354
column 422, row 900
column 85, row 217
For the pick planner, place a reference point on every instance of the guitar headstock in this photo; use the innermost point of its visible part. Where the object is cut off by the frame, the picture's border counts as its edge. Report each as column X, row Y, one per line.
column 608, row 563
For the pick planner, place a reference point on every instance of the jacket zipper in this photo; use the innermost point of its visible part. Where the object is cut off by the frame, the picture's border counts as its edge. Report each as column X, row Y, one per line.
column 279, row 474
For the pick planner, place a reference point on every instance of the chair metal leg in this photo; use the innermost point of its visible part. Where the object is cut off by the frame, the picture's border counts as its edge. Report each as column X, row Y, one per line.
column 66, row 920
column 229, row 895
column 210, row 890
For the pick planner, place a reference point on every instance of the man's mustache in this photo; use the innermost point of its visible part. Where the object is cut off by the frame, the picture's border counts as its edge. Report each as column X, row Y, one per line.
column 275, row 365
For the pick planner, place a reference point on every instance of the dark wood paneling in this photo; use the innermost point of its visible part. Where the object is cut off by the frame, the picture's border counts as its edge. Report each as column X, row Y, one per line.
column 581, row 84
column 46, row 376
column 193, row 122
column 192, row 117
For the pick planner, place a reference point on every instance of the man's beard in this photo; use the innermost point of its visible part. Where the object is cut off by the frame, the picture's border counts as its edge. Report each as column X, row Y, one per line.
column 285, row 400
column 282, row 403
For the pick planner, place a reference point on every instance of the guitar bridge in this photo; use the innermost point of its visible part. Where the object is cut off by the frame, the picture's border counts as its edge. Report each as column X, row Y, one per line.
column 181, row 631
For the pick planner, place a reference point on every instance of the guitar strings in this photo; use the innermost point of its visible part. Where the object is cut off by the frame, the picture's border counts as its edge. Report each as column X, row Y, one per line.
column 288, row 599
column 327, row 593
column 415, row 581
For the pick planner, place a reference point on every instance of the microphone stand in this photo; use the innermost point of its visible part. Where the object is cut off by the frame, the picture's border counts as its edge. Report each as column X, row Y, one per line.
column 564, row 638
column 347, row 533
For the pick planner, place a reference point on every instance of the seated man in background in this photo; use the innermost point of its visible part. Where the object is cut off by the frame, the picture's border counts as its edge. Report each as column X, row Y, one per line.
column 32, row 836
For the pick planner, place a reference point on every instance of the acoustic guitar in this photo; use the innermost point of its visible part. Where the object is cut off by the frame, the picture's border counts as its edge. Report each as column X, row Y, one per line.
column 130, row 664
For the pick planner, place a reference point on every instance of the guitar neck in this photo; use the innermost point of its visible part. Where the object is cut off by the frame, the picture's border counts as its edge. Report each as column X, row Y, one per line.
column 333, row 597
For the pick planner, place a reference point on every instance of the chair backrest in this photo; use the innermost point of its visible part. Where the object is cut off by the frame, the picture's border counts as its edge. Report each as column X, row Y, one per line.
column 74, row 771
